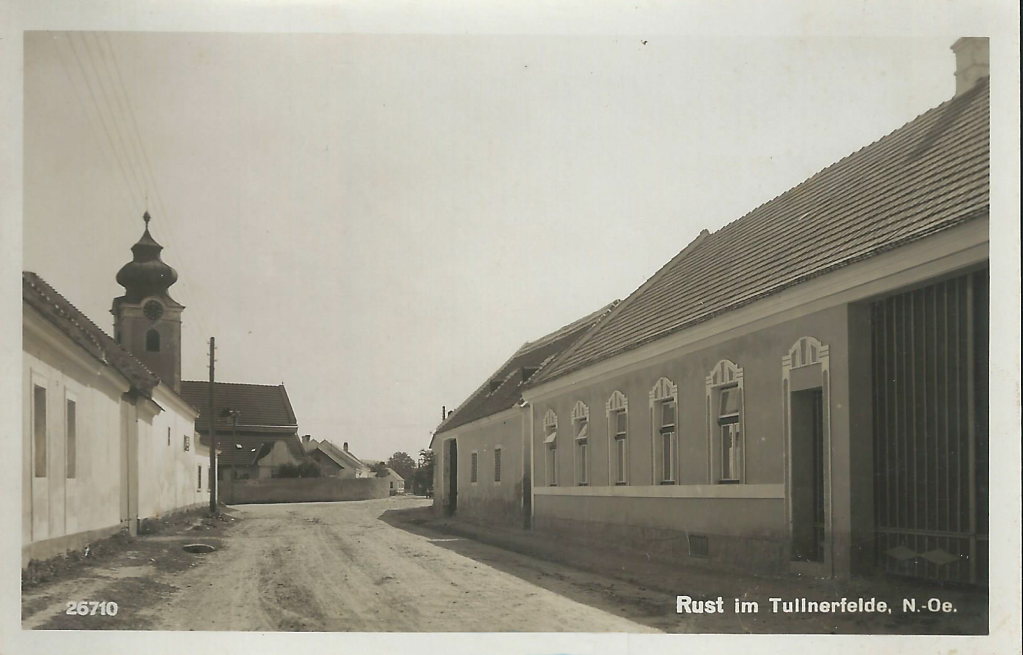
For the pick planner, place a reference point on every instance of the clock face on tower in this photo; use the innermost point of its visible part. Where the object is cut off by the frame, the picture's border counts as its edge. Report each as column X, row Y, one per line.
column 153, row 310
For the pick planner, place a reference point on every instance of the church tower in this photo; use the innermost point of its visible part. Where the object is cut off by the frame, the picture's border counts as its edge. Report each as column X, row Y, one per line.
column 147, row 321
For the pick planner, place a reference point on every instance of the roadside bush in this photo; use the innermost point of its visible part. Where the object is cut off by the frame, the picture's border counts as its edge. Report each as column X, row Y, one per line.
column 308, row 469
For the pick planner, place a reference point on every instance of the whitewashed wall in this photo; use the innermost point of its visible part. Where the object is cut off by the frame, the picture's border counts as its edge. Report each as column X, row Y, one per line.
column 55, row 506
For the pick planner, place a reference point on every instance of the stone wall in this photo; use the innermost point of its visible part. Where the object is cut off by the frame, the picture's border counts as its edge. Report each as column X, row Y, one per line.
column 300, row 490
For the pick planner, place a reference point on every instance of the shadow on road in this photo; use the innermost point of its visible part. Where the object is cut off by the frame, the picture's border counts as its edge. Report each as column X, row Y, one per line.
column 642, row 591
column 646, row 606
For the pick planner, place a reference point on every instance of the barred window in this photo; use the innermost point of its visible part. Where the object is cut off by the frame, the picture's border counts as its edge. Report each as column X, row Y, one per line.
column 497, row 465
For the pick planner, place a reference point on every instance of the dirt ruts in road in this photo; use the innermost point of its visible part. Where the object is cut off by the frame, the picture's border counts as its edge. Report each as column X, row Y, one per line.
column 337, row 567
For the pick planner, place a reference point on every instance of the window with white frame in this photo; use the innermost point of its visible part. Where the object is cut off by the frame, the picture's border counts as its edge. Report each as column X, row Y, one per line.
column 728, row 426
column 666, row 435
column 725, row 423
column 39, row 430
column 71, row 438
column 621, row 423
column 664, row 422
column 581, row 427
column 618, row 422
column 497, row 464
column 474, row 467
column 187, row 442
column 550, row 441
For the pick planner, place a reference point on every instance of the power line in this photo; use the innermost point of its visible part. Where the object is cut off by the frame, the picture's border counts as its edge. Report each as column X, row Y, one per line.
column 126, row 188
column 139, row 148
column 140, row 186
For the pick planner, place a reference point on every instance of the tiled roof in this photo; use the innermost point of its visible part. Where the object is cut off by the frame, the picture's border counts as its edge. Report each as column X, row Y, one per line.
column 243, row 449
column 67, row 318
column 926, row 176
column 260, row 405
column 342, row 457
column 503, row 389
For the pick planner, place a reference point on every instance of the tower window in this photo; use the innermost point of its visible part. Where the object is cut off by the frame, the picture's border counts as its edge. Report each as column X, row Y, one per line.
column 152, row 341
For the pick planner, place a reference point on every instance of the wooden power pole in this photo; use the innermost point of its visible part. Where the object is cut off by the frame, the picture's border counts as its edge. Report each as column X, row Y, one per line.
column 213, row 432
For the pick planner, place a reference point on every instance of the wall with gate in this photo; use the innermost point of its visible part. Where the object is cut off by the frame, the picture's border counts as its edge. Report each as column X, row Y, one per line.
column 300, row 490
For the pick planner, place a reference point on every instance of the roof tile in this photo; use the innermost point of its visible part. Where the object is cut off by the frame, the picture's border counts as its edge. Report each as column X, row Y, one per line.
column 924, row 177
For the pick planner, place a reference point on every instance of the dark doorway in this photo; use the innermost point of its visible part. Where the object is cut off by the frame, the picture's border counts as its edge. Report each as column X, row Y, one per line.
column 808, row 518
column 452, row 476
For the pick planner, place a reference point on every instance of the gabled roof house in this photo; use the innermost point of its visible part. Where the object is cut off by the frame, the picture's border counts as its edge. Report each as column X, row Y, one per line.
column 486, row 431
column 803, row 390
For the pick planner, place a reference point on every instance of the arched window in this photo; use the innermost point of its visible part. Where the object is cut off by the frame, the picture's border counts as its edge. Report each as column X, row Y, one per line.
column 664, row 410
column 581, row 425
column 725, row 423
column 550, row 439
column 617, row 410
column 152, row 341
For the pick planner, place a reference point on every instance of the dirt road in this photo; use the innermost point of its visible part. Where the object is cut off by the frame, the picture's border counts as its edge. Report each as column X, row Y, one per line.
column 332, row 567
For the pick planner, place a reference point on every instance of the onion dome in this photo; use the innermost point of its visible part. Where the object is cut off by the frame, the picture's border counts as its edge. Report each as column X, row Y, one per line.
column 146, row 274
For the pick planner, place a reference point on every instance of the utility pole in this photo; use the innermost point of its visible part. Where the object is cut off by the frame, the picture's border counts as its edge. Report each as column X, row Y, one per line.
column 213, row 432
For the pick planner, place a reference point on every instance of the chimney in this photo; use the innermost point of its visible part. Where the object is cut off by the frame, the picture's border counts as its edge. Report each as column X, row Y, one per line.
column 345, row 446
column 450, row 413
column 306, row 438
column 972, row 61
column 443, row 412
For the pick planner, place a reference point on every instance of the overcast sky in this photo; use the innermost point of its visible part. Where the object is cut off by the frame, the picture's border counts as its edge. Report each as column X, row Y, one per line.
column 380, row 221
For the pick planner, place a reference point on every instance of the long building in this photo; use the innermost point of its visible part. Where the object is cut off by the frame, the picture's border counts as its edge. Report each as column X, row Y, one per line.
column 803, row 390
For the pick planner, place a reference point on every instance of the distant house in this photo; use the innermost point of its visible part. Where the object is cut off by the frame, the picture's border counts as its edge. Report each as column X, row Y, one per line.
column 396, row 483
column 334, row 461
column 482, row 465
column 259, row 438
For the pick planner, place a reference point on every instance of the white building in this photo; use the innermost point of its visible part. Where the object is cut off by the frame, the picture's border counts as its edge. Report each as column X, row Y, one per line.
column 107, row 439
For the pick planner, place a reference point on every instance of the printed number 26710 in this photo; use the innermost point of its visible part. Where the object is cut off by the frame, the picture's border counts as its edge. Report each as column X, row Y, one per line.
column 91, row 608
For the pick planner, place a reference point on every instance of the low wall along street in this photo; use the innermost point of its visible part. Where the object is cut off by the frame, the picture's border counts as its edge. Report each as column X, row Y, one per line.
column 300, row 490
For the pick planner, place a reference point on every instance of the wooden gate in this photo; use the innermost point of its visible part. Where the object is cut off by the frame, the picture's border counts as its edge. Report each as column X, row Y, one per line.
column 931, row 431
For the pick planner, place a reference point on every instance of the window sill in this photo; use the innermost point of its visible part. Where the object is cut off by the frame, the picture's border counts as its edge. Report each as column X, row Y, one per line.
column 667, row 482
column 729, row 481
column 583, row 484
column 621, row 484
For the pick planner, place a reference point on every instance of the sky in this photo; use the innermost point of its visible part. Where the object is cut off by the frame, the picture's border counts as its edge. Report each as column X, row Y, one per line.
column 379, row 221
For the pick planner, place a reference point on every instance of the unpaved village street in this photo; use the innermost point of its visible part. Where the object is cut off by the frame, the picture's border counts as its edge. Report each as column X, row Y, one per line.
column 322, row 567
column 393, row 565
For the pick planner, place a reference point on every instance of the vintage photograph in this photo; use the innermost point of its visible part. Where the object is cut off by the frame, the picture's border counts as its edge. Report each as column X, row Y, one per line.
column 485, row 333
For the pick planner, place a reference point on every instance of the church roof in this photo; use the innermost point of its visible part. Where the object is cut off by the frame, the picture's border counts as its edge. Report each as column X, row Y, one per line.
column 59, row 312
column 927, row 176
column 146, row 274
column 260, row 405
column 504, row 388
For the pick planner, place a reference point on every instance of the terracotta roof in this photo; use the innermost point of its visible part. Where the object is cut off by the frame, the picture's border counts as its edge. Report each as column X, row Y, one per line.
column 67, row 318
column 926, row 176
column 260, row 405
column 503, row 389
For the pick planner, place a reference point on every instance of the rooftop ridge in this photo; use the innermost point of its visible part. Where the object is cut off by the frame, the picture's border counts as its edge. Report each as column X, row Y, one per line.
column 236, row 384
column 45, row 289
column 927, row 175
column 983, row 82
column 566, row 329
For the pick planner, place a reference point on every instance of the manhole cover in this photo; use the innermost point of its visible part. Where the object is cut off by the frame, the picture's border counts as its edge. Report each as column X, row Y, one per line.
column 198, row 548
